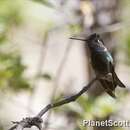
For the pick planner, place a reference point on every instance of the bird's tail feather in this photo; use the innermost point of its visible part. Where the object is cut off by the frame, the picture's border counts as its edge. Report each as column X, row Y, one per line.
column 116, row 79
column 119, row 83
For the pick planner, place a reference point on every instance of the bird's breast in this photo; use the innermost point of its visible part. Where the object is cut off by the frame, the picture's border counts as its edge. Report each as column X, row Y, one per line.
column 100, row 61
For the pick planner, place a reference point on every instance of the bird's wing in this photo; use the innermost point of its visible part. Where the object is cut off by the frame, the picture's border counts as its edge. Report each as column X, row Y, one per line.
column 111, row 67
column 116, row 79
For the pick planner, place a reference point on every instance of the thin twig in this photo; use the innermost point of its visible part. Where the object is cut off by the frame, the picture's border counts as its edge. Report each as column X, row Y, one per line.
column 36, row 121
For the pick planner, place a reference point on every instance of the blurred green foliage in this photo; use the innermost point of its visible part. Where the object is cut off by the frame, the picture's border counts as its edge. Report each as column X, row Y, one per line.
column 1, row 128
column 45, row 2
column 99, row 107
column 10, row 12
column 10, row 15
column 11, row 67
column 11, row 72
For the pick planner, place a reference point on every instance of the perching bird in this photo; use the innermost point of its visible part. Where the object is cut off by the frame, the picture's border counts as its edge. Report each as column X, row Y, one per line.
column 102, row 63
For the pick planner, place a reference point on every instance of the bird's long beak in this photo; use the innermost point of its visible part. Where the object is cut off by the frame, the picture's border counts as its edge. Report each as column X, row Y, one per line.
column 78, row 39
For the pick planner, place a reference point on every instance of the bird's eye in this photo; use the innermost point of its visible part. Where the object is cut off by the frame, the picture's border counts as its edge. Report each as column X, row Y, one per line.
column 98, row 41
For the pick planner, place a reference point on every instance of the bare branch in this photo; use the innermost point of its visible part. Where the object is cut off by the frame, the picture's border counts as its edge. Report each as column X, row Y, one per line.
column 37, row 121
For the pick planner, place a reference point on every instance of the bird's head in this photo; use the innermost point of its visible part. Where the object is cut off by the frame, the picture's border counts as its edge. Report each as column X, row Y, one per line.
column 92, row 41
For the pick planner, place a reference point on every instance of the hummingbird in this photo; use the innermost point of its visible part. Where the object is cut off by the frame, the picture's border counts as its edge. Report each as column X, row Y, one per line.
column 102, row 63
